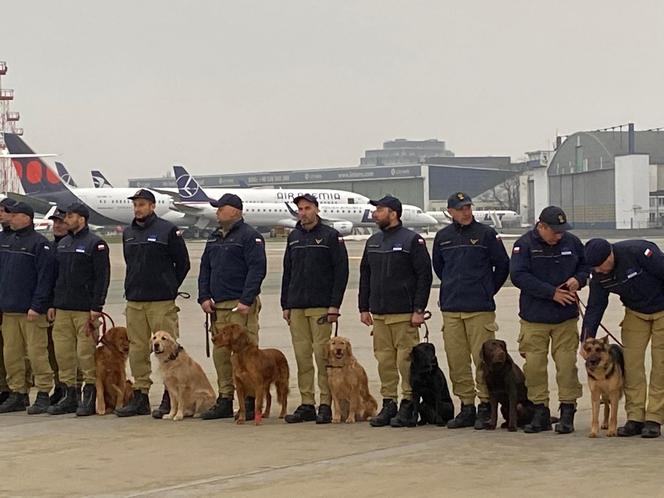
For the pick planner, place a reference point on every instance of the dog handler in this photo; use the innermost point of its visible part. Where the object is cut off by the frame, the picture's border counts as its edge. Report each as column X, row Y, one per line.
column 312, row 288
column 232, row 270
column 548, row 265
column 83, row 274
column 395, row 282
column 472, row 264
column 157, row 263
column 633, row 269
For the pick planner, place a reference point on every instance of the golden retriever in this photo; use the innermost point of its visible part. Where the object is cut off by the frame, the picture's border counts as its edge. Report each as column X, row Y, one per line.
column 348, row 383
column 113, row 388
column 254, row 371
column 189, row 388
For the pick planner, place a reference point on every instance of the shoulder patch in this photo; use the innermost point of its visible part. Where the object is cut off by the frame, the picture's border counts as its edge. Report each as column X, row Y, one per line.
column 47, row 247
column 101, row 247
column 179, row 233
column 516, row 250
column 259, row 241
column 421, row 242
column 341, row 240
column 498, row 236
column 647, row 252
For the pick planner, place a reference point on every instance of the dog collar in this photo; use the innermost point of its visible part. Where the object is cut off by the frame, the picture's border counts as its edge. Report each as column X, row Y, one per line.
column 174, row 354
column 334, row 366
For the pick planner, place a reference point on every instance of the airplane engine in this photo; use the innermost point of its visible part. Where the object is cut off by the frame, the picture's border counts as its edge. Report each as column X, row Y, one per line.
column 343, row 227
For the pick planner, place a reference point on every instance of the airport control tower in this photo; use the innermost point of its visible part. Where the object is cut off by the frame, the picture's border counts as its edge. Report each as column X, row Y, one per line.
column 9, row 181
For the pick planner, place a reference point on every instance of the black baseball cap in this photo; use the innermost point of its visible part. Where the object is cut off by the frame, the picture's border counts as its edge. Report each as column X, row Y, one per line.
column 306, row 197
column 7, row 202
column 21, row 207
column 596, row 252
column 228, row 200
column 143, row 194
column 556, row 218
column 58, row 214
column 389, row 201
column 458, row 200
column 80, row 209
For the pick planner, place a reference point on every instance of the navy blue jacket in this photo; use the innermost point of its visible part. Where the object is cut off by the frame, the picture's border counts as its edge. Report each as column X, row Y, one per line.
column 157, row 260
column 637, row 277
column 315, row 268
column 395, row 272
column 472, row 264
column 234, row 266
column 83, row 272
column 538, row 268
column 27, row 272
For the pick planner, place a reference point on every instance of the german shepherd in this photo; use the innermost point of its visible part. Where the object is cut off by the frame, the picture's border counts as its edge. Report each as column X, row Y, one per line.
column 605, row 366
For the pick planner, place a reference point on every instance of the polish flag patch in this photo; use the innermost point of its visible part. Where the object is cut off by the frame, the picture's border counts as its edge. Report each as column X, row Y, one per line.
column 648, row 253
column 421, row 242
column 101, row 247
column 516, row 250
column 497, row 236
column 341, row 240
column 259, row 241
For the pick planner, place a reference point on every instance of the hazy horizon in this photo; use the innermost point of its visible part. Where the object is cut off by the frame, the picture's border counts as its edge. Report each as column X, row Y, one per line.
column 132, row 88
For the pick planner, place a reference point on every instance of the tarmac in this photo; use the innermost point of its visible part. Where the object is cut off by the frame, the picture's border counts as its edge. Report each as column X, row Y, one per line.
column 64, row 455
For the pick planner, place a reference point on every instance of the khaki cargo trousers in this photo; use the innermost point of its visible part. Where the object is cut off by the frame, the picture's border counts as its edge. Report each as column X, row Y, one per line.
column 222, row 356
column 144, row 318
column 74, row 349
column 534, row 340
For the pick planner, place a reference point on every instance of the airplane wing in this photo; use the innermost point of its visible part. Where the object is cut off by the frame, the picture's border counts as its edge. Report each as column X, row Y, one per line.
column 39, row 205
column 25, row 156
column 174, row 195
column 188, row 208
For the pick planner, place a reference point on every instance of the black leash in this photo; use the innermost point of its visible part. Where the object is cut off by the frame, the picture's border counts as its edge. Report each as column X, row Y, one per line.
column 323, row 320
column 427, row 315
column 184, row 295
column 582, row 307
column 209, row 328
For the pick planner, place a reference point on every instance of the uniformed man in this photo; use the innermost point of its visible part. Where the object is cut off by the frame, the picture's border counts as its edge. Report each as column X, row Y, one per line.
column 59, row 230
column 633, row 269
column 232, row 270
column 548, row 265
column 157, row 263
column 472, row 264
column 83, row 275
column 395, row 282
column 312, row 288
column 26, row 288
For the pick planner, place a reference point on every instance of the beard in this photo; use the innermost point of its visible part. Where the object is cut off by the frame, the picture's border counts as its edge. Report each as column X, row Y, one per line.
column 383, row 224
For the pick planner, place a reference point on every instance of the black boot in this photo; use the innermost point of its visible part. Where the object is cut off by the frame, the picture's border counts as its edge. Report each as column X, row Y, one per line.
column 164, row 406
column 465, row 418
column 58, row 392
column 223, row 408
column 566, row 423
column 139, row 404
column 386, row 414
column 67, row 404
column 405, row 416
column 41, row 404
column 303, row 413
column 651, row 430
column 631, row 428
column 541, row 420
column 324, row 414
column 3, row 396
column 483, row 416
column 88, row 402
column 15, row 402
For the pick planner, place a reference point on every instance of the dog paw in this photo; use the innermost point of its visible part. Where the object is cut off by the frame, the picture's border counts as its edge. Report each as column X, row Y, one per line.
column 336, row 420
column 612, row 434
column 178, row 417
column 350, row 421
column 167, row 416
column 239, row 421
column 604, row 426
column 592, row 435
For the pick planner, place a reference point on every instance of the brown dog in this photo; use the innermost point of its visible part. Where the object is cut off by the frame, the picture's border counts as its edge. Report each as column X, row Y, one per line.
column 189, row 388
column 506, row 384
column 254, row 370
column 113, row 388
column 348, row 383
column 605, row 366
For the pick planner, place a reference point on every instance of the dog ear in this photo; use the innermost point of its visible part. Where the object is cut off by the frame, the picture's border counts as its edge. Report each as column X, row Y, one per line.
column 604, row 340
column 584, row 353
column 349, row 349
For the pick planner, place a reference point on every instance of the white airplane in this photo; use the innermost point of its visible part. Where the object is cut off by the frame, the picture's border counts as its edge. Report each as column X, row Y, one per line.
column 343, row 217
column 187, row 189
column 108, row 206
column 497, row 219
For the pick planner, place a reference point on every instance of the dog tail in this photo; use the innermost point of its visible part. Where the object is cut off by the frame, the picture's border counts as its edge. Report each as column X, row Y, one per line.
column 617, row 356
column 282, row 380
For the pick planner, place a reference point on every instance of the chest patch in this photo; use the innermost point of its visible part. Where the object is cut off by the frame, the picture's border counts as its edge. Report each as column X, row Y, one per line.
column 152, row 238
column 80, row 249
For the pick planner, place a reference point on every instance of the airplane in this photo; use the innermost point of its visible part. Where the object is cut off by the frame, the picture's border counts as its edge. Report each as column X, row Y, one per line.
column 342, row 217
column 108, row 206
column 497, row 218
column 99, row 180
column 325, row 196
column 64, row 175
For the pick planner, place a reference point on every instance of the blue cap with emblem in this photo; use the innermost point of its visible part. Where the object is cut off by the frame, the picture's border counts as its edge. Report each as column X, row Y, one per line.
column 458, row 200
column 21, row 207
column 556, row 218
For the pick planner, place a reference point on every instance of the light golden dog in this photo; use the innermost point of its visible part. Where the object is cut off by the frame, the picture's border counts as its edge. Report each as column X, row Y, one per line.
column 189, row 388
column 348, row 383
column 113, row 389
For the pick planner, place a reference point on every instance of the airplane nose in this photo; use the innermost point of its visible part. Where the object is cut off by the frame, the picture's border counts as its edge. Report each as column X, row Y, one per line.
column 429, row 219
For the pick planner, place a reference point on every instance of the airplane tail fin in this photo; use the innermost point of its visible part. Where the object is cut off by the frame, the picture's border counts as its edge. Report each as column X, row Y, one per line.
column 99, row 180
column 35, row 175
column 64, row 175
column 188, row 188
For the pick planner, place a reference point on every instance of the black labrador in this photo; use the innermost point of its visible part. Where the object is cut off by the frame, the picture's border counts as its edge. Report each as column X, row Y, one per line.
column 507, row 386
column 431, row 397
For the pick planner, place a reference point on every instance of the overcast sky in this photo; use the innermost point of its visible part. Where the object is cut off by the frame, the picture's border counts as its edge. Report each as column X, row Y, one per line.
column 133, row 87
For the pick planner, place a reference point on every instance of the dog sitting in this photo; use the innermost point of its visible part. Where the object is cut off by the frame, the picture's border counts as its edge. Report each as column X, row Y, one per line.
column 349, row 385
column 431, row 397
column 254, row 371
column 605, row 367
column 507, row 386
column 113, row 388
column 189, row 388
